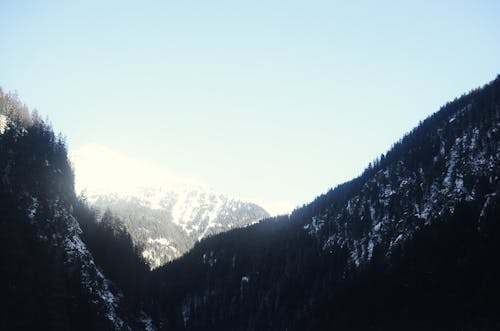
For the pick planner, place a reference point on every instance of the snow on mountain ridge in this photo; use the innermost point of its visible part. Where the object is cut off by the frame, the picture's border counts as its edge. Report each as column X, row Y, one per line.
column 165, row 214
column 101, row 171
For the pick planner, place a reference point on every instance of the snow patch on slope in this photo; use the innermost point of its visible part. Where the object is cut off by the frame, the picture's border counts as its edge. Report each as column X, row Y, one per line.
column 419, row 200
column 77, row 254
column 3, row 123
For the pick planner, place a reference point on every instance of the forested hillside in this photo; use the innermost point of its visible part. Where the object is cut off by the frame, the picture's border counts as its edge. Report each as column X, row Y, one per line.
column 411, row 244
column 62, row 268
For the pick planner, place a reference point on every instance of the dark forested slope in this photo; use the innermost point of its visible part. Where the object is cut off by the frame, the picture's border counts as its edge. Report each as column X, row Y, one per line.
column 412, row 243
column 53, row 275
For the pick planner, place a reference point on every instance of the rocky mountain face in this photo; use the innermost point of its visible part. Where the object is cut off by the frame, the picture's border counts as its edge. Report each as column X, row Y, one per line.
column 165, row 215
column 410, row 244
column 50, row 279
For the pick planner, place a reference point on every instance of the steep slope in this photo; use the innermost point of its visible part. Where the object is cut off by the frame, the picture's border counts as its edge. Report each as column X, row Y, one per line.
column 410, row 244
column 50, row 280
column 165, row 214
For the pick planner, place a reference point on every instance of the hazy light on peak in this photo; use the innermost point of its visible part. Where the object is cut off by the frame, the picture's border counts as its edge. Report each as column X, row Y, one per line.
column 100, row 170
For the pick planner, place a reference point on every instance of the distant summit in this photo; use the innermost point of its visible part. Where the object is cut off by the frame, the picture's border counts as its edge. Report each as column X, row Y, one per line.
column 164, row 213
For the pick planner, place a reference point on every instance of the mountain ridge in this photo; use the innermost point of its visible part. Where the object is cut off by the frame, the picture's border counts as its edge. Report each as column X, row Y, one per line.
column 50, row 277
column 441, row 179
column 164, row 213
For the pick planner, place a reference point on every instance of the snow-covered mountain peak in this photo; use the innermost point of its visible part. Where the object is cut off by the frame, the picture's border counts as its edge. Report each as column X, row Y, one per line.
column 101, row 171
column 156, row 205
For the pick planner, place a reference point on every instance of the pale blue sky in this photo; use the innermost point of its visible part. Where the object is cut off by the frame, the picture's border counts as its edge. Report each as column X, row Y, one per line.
column 262, row 99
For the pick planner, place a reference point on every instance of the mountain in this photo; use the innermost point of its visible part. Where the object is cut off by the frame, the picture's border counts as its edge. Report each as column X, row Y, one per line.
column 165, row 214
column 52, row 277
column 410, row 244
